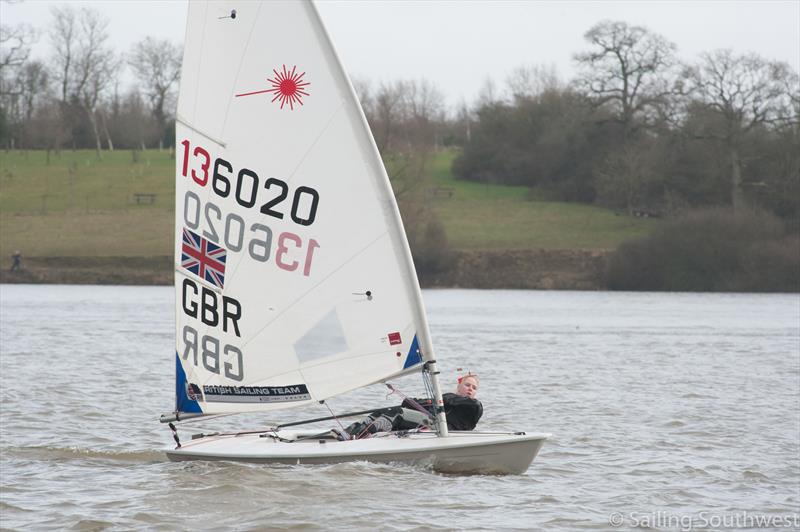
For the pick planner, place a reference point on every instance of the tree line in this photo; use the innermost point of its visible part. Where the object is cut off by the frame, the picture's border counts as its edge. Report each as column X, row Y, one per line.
column 640, row 131
column 74, row 98
column 636, row 129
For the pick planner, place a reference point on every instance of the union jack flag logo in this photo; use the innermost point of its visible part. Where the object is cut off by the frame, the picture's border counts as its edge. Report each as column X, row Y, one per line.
column 203, row 258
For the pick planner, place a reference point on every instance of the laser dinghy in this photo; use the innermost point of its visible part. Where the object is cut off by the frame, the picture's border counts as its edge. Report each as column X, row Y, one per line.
column 294, row 282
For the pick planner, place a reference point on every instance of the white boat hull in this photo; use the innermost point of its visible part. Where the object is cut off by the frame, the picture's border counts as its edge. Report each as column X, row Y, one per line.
column 460, row 452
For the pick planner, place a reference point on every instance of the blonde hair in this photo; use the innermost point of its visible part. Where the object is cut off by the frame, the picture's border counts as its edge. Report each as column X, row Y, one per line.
column 469, row 375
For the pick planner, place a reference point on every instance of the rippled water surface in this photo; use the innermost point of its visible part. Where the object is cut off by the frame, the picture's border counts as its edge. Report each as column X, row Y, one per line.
column 662, row 406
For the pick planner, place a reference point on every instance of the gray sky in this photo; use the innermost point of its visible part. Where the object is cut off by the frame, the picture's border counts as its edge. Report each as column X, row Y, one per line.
column 459, row 44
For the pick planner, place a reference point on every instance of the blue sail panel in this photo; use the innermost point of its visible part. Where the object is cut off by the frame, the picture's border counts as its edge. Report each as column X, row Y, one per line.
column 183, row 403
column 414, row 357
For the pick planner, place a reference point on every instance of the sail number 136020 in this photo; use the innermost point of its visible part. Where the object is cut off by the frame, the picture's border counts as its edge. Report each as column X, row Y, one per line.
column 246, row 186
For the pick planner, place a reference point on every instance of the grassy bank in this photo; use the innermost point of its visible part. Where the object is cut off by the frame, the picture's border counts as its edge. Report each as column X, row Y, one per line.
column 479, row 216
column 77, row 206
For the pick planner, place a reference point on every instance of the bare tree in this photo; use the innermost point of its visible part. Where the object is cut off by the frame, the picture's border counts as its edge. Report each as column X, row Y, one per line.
column 627, row 71
column 32, row 86
column 404, row 117
column 743, row 92
column 15, row 48
column 85, row 65
column 132, row 124
column 33, row 83
column 487, row 95
column 527, row 82
column 423, row 107
column 402, row 113
column 465, row 116
column 363, row 90
column 387, row 114
column 157, row 64
column 63, row 38
column 45, row 127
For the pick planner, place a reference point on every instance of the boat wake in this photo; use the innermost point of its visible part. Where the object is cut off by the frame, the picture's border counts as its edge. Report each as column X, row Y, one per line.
column 77, row 453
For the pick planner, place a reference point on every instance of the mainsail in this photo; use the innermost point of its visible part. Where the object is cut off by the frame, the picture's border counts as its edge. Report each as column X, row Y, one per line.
column 294, row 281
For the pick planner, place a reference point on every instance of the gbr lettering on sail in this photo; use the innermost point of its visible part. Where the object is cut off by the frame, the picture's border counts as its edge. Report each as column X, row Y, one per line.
column 285, row 250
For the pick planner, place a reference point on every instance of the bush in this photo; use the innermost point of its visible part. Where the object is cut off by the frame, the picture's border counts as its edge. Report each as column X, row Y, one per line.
column 428, row 242
column 550, row 141
column 713, row 250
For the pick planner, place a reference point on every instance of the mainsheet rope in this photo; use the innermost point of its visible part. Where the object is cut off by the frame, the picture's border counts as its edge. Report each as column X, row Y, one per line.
column 411, row 401
column 335, row 417
column 393, row 390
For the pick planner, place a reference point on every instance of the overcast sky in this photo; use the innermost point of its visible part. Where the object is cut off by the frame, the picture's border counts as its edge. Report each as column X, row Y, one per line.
column 459, row 44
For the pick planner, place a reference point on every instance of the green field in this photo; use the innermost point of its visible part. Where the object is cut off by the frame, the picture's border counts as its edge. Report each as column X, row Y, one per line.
column 494, row 217
column 79, row 206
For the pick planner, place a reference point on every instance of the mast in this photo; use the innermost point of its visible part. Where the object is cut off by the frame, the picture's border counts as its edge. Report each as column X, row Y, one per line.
column 427, row 355
column 399, row 238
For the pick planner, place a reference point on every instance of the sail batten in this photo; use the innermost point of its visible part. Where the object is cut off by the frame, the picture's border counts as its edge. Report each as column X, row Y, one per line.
column 294, row 281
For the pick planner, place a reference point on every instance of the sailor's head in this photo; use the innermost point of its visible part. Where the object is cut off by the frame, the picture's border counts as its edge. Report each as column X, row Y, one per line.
column 468, row 385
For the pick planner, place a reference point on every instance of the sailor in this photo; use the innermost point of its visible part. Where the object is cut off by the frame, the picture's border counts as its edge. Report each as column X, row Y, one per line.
column 17, row 260
column 462, row 409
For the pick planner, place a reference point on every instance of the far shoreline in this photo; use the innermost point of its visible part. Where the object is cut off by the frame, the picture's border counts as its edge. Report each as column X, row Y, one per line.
column 508, row 269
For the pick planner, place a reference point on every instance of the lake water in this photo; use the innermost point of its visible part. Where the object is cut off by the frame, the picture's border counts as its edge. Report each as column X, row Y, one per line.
column 672, row 411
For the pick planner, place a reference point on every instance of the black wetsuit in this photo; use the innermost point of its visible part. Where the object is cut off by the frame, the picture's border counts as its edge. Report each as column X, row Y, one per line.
column 462, row 413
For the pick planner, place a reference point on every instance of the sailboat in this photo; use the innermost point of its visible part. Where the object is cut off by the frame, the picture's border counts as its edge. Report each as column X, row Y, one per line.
column 294, row 282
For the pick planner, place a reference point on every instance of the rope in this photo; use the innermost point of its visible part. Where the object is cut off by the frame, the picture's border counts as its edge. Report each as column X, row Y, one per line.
column 333, row 415
column 411, row 401
column 426, row 380
column 363, row 432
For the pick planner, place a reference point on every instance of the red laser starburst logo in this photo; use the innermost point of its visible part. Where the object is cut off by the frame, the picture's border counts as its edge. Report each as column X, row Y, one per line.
column 288, row 87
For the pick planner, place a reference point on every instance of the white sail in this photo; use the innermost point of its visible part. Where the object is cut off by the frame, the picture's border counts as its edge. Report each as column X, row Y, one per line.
column 293, row 280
